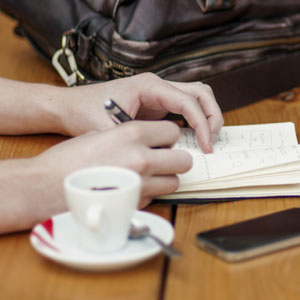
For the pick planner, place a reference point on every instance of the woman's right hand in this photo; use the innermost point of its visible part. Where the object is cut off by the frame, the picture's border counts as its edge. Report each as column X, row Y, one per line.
column 132, row 145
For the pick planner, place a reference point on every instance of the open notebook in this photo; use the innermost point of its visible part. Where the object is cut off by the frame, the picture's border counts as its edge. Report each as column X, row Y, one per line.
column 248, row 161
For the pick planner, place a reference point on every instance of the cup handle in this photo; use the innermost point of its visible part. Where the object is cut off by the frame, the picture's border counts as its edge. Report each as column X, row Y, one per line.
column 93, row 217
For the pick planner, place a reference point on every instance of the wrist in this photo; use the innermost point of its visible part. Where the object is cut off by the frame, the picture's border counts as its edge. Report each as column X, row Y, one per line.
column 29, row 108
column 29, row 192
column 52, row 109
column 80, row 110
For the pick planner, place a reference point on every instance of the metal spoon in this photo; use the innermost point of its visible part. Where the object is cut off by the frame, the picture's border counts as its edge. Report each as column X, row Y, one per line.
column 141, row 230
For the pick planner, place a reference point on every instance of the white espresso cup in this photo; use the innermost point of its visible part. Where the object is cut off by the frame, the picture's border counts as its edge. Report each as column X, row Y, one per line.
column 102, row 201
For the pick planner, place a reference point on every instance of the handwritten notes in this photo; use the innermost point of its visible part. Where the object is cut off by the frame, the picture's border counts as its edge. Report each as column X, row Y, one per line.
column 211, row 166
column 240, row 149
column 245, row 137
column 248, row 161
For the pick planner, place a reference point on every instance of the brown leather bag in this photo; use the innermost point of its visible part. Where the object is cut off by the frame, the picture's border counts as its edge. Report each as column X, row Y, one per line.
column 245, row 49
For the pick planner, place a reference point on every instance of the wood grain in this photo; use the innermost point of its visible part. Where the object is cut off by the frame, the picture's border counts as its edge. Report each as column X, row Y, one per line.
column 19, row 61
column 199, row 275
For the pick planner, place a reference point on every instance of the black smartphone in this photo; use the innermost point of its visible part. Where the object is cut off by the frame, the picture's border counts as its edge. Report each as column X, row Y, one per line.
column 253, row 237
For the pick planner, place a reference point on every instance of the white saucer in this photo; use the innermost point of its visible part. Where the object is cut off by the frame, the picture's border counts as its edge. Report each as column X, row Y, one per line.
column 56, row 239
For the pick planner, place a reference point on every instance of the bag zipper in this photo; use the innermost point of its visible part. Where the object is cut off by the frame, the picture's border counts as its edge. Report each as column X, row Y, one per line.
column 121, row 70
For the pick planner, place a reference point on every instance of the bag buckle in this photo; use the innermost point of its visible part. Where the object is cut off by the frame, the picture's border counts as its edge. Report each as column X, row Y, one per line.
column 74, row 77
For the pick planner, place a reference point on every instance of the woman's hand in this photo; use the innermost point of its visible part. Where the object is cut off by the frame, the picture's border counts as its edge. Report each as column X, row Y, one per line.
column 32, row 188
column 131, row 145
column 143, row 97
column 37, row 108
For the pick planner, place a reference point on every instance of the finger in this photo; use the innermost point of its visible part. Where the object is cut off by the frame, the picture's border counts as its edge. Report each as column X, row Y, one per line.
column 170, row 98
column 152, row 133
column 168, row 161
column 159, row 185
column 144, row 201
column 208, row 103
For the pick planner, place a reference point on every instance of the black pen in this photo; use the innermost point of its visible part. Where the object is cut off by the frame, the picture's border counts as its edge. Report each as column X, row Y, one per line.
column 117, row 114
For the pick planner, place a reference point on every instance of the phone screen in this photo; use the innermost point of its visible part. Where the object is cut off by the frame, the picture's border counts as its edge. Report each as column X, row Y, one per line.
column 254, row 233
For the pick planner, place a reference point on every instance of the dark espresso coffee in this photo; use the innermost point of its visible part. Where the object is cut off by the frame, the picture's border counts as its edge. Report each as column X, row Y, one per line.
column 104, row 188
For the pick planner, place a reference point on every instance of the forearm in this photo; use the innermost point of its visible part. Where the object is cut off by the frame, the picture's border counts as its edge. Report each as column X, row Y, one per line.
column 29, row 194
column 29, row 108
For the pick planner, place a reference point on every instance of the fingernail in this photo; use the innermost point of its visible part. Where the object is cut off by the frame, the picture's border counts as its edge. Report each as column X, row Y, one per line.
column 208, row 148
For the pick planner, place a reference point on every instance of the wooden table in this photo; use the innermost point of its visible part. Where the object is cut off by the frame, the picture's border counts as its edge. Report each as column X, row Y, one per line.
column 197, row 275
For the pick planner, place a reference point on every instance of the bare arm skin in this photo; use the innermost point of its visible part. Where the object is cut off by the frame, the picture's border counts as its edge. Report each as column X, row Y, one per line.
column 32, row 188
column 32, row 108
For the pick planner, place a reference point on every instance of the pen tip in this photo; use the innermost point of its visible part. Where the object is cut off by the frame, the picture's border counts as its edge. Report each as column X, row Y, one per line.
column 108, row 104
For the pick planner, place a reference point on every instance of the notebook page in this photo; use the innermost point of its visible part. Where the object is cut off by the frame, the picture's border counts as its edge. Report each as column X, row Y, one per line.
column 228, row 163
column 243, row 192
column 262, row 180
column 244, row 137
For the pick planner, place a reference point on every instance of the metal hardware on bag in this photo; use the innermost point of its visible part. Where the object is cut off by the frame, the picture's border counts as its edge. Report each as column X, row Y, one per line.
column 109, row 67
column 107, row 64
column 75, row 77
column 212, row 5
column 70, row 79
column 128, row 71
column 118, row 70
column 288, row 96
